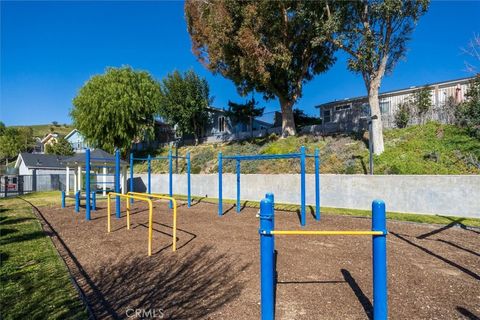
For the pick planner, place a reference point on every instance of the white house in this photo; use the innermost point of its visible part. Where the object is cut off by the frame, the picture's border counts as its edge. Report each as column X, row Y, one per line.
column 28, row 163
column 349, row 114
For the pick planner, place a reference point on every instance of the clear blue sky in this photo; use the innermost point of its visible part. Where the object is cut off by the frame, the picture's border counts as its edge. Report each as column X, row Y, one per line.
column 50, row 49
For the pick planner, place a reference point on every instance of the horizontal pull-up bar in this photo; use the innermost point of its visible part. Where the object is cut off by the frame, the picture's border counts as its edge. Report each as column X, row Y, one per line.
column 268, row 156
column 325, row 233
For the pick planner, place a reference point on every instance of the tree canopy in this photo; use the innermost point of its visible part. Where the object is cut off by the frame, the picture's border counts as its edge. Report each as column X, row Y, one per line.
column 374, row 35
column 184, row 102
column 244, row 112
column 13, row 141
column 272, row 47
column 117, row 107
column 61, row 147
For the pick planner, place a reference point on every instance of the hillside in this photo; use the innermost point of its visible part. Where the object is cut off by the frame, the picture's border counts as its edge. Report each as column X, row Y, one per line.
column 429, row 149
column 41, row 130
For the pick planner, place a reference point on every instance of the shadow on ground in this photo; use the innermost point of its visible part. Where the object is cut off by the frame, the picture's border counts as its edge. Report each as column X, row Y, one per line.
column 189, row 287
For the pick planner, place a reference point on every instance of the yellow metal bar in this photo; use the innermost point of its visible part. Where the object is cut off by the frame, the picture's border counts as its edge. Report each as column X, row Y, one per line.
column 150, row 215
column 159, row 196
column 327, row 233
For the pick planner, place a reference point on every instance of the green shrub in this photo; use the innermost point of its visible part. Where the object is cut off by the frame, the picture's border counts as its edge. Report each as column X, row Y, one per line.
column 402, row 116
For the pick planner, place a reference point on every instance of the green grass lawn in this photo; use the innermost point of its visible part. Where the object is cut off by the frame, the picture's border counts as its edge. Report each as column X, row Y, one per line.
column 35, row 283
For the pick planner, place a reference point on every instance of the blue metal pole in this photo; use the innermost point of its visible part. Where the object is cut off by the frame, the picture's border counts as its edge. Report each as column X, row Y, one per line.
column 117, row 182
column 131, row 174
column 238, row 185
column 87, row 184
column 77, row 201
column 63, row 199
column 220, row 205
column 267, row 303
column 379, row 223
column 188, row 181
column 94, row 200
column 317, row 184
column 149, row 178
column 170, row 180
column 271, row 197
column 302, row 186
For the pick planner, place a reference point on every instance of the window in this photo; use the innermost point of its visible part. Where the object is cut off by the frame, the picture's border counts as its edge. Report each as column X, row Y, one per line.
column 221, row 124
column 385, row 106
column 343, row 107
column 327, row 116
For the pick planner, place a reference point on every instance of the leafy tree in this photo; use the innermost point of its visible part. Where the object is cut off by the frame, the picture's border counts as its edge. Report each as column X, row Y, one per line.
column 468, row 112
column 13, row 141
column 422, row 100
column 117, row 107
column 2, row 128
column 374, row 35
column 302, row 119
column 272, row 47
column 61, row 147
column 403, row 114
column 244, row 112
column 184, row 102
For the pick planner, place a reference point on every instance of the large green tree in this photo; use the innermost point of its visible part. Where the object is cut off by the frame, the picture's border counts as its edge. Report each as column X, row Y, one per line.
column 374, row 34
column 185, row 99
column 115, row 108
column 14, row 140
column 272, row 47
column 61, row 147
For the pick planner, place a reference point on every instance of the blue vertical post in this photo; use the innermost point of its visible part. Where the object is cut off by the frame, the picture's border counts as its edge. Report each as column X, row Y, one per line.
column 379, row 249
column 188, row 181
column 63, row 199
column 131, row 175
column 94, row 200
column 117, row 182
column 77, row 201
column 170, row 180
column 87, row 184
column 317, row 184
column 267, row 301
column 302, row 186
column 238, row 185
column 220, row 205
column 149, row 176
column 271, row 197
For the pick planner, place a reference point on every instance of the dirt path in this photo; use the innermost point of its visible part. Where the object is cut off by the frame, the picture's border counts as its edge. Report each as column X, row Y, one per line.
column 434, row 272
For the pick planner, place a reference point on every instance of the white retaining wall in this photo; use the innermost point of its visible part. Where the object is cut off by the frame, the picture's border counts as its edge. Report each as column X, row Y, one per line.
column 454, row 195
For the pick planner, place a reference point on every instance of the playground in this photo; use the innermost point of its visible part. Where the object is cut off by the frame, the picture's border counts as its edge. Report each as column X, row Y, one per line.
column 433, row 271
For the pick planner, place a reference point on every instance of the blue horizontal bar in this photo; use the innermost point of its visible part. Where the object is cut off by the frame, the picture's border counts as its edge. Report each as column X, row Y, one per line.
column 265, row 157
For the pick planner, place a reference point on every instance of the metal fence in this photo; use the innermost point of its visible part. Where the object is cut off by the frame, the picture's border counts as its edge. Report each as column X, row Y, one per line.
column 13, row 185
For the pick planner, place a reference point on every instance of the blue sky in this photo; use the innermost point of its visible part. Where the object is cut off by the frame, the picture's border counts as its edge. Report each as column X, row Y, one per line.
column 50, row 49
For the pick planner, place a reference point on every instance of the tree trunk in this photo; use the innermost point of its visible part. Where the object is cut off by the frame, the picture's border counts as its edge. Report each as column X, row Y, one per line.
column 288, row 123
column 377, row 128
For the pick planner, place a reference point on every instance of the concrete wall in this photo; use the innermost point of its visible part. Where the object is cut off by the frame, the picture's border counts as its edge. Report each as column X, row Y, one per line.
column 453, row 195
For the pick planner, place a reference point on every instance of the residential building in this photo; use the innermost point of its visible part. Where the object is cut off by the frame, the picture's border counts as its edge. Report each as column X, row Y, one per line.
column 30, row 163
column 351, row 114
column 77, row 141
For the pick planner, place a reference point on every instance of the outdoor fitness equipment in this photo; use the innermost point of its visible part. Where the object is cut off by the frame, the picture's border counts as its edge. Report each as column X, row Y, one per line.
column 302, row 156
column 170, row 158
column 267, row 256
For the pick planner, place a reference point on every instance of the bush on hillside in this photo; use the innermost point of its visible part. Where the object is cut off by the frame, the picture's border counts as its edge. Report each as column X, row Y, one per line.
column 468, row 113
column 402, row 117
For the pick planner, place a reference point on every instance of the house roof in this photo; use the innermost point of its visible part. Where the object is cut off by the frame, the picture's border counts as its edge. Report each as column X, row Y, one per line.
column 395, row 92
column 41, row 161
column 71, row 133
column 98, row 156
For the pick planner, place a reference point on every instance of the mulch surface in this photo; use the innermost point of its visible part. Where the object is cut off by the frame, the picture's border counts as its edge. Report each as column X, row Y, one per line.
column 434, row 271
